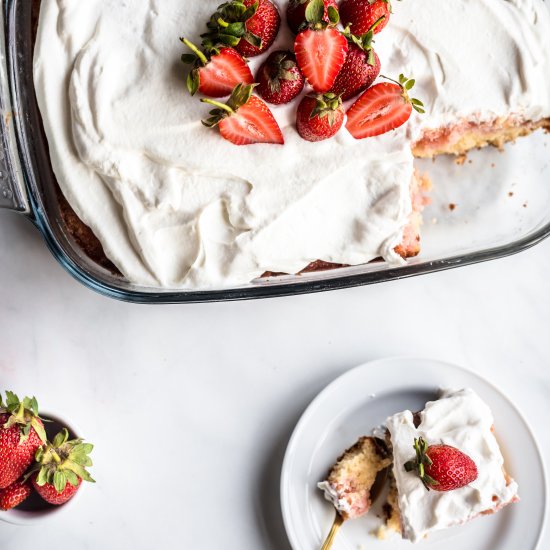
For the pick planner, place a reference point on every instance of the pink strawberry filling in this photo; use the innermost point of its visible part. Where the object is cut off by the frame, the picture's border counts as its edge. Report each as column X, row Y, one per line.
column 357, row 500
column 437, row 140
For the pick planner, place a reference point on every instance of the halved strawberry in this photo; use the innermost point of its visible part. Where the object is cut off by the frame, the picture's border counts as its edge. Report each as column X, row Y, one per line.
column 320, row 49
column 382, row 108
column 320, row 117
column 245, row 119
column 249, row 26
column 216, row 71
column 361, row 15
column 296, row 13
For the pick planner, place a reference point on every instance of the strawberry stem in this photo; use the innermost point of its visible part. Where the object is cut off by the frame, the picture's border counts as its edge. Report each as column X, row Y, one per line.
column 219, row 105
column 203, row 59
column 21, row 412
column 376, row 24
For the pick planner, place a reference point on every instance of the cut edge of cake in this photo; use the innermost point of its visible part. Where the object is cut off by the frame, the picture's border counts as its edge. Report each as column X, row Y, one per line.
column 464, row 136
column 350, row 481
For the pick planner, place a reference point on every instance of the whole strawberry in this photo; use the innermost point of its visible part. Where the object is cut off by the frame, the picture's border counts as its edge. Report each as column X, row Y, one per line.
column 361, row 67
column 296, row 13
column 245, row 119
column 216, row 71
column 279, row 78
column 60, row 468
column 361, row 15
column 21, row 434
column 14, row 495
column 442, row 467
column 249, row 26
column 320, row 48
column 320, row 117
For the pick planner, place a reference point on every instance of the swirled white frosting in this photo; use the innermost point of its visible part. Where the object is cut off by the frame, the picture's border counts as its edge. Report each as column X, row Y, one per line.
column 175, row 205
column 462, row 420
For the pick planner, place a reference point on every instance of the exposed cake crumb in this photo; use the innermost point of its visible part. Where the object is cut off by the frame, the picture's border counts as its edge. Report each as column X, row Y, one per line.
column 452, row 206
column 461, row 159
column 381, row 533
column 511, row 194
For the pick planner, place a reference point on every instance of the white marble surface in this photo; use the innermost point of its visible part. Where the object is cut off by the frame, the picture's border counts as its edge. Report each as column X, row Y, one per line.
column 191, row 407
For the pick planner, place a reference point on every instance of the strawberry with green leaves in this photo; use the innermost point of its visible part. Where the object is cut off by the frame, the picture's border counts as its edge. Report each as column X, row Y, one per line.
column 361, row 67
column 279, row 78
column 320, row 117
column 361, row 15
column 320, row 49
column 441, row 467
column 21, row 435
column 249, row 26
column 296, row 13
column 216, row 70
column 245, row 119
column 382, row 108
column 60, row 468
column 14, row 495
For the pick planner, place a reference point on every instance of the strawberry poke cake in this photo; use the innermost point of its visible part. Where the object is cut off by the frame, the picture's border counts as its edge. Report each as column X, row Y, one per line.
column 446, row 469
column 286, row 141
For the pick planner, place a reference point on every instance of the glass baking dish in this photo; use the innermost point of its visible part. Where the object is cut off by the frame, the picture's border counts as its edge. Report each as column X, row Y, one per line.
column 492, row 206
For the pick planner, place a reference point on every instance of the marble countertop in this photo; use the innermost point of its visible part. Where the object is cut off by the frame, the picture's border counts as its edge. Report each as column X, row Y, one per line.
column 191, row 407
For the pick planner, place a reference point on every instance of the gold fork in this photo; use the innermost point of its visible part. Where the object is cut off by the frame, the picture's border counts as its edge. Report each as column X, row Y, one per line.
column 338, row 522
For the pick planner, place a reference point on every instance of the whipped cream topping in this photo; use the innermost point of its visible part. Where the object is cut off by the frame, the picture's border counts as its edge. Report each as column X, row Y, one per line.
column 333, row 496
column 462, row 420
column 176, row 206
column 478, row 60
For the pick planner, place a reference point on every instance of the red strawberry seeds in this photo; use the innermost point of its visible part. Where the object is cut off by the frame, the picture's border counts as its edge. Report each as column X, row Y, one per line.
column 361, row 67
column 21, row 435
column 442, row 467
column 244, row 119
column 216, row 72
column 320, row 117
column 279, row 78
column 14, row 495
column 49, row 493
column 361, row 15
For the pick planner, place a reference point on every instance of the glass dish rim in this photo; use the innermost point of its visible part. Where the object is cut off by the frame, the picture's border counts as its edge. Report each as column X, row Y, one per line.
column 18, row 70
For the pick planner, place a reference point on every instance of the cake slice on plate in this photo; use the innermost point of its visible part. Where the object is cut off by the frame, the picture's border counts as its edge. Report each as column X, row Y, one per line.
column 447, row 468
column 447, row 464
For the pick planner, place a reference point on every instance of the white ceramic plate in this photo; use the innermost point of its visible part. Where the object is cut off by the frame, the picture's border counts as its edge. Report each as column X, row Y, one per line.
column 362, row 399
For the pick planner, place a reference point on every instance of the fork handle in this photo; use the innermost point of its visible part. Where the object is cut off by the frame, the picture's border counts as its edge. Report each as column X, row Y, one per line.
column 338, row 522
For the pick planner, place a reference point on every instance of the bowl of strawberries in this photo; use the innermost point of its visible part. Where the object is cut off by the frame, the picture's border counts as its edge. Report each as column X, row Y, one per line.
column 42, row 462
